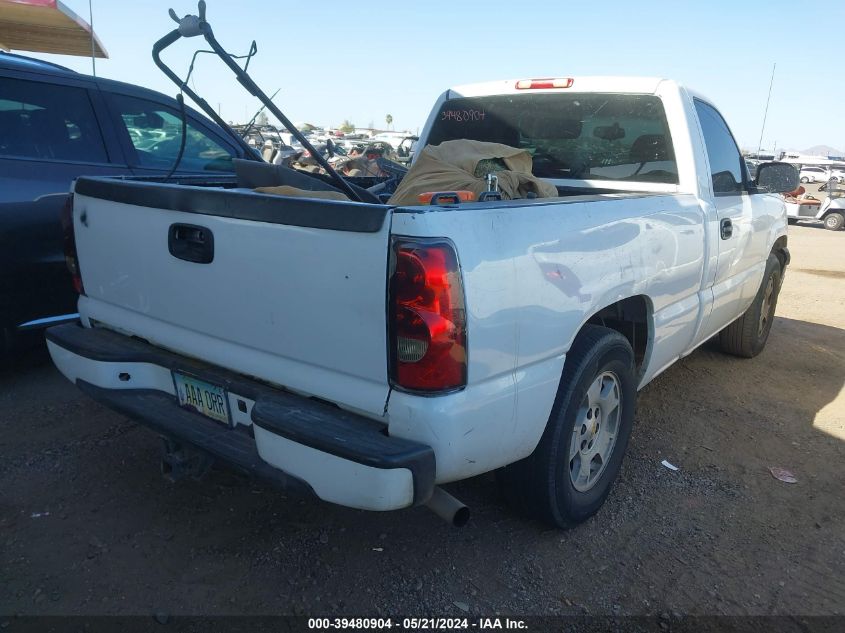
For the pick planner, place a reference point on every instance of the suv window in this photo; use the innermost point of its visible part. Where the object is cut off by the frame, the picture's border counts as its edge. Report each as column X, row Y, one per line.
column 48, row 122
column 571, row 136
column 722, row 151
column 155, row 131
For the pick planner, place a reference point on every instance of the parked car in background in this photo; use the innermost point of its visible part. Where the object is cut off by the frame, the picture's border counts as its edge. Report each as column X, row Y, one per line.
column 56, row 125
column 751, row 166
column 406, row 148
column 814, row 174
column 837, row 174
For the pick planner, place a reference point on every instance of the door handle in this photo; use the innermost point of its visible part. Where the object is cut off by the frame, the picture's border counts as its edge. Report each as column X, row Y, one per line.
column 726, row 229
column 191, row 243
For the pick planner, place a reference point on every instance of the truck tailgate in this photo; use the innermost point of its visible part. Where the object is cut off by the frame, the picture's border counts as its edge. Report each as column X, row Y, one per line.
column 294, row 293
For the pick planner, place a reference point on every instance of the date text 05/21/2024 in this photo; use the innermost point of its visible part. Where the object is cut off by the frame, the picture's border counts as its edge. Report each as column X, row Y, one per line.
column 416, row 624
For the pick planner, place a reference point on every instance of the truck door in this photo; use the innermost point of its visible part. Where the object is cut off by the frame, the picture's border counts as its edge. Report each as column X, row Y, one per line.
column 730, row 230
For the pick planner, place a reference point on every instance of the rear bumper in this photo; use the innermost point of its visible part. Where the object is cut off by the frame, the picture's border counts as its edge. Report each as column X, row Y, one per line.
column 290, row 440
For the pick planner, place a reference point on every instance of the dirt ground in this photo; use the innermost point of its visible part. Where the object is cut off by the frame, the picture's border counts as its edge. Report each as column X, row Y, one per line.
column 88, row 526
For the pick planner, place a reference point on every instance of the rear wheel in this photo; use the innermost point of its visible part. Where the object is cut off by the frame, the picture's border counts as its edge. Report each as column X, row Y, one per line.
column 804, row 179
column 569, row 475
column 834, row 221
column 747, row 335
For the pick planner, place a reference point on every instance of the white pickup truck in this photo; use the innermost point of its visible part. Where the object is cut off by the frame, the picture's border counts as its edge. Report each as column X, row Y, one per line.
column 371, row 352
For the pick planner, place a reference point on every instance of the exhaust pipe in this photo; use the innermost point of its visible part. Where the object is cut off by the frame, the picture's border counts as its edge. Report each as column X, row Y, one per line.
column 448, row 508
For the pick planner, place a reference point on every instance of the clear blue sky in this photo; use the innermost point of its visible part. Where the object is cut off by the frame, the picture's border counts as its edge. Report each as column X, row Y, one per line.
column 361, row 60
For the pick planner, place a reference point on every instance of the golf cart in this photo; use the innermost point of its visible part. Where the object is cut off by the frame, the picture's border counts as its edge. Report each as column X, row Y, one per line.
column 830, row 211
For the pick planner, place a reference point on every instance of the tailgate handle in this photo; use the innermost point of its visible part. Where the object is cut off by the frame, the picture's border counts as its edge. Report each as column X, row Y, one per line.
column 191, row 243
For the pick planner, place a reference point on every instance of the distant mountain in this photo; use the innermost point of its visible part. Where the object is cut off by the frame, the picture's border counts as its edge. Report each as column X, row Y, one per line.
column 823, row 151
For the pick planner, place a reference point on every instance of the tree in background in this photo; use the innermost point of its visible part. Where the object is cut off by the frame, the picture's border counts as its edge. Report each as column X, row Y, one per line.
column 388, row 119
column 262, row 119
column 346, row 127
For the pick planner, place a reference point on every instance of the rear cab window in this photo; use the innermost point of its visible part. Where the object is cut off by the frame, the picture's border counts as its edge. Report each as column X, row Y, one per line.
column 49, row 122
column 604, row 137
column 155, row 132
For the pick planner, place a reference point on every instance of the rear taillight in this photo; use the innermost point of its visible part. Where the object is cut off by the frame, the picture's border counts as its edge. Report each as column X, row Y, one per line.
column 428, row 339
column 544, row 84
column 69, row 240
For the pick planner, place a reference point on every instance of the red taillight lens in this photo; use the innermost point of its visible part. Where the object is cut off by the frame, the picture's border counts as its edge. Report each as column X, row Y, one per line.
column 427, row 316
column 69, row 240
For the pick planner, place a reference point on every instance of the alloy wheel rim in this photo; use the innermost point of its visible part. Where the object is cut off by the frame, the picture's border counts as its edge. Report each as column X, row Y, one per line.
column 766, row 310
column 595, row 431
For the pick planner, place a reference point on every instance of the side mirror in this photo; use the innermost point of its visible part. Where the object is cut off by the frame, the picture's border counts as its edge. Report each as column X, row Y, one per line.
column 776, row 178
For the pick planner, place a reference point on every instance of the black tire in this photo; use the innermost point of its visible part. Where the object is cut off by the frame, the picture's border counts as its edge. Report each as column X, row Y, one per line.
column 805, row 179
column 540, row 485
column 834, row 221
column 747, row 335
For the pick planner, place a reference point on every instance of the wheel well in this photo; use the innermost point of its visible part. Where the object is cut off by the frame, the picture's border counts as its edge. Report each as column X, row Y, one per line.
column 630, row 317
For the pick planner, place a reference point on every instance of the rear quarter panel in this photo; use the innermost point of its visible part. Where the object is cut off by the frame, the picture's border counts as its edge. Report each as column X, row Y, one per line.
column 533, row 275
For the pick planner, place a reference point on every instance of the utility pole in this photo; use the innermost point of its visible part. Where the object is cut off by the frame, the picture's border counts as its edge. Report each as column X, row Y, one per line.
column 766, row 113
column 93, row 51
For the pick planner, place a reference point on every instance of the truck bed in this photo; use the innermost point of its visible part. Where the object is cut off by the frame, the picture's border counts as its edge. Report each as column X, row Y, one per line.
column 295, row 292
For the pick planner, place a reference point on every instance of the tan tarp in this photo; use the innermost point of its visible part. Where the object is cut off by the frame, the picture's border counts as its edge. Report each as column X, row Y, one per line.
column 287, row 190
column 454, row 165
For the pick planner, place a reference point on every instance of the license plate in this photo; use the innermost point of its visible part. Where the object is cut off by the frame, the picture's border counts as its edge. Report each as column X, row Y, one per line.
column 202, row 397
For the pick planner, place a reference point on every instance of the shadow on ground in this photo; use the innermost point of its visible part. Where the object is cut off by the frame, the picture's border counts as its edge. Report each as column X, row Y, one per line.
column 89, row 526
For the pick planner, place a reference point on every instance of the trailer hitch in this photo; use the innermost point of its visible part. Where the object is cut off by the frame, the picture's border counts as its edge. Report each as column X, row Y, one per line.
column 181, row 461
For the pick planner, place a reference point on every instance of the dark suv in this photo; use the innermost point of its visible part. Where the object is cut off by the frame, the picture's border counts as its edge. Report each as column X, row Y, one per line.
column 56, row 125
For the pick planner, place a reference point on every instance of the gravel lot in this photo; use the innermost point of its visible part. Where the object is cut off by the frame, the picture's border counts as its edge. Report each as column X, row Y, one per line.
column 88, row 526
